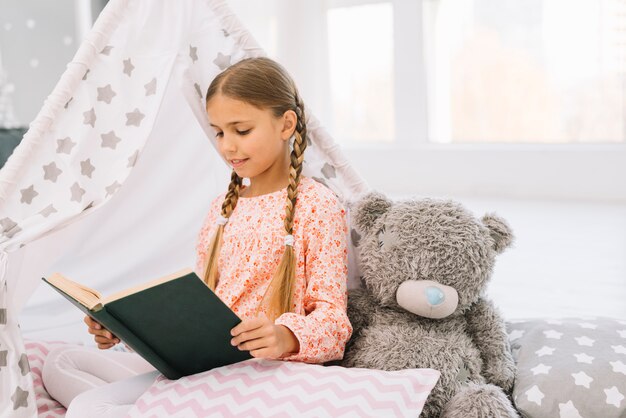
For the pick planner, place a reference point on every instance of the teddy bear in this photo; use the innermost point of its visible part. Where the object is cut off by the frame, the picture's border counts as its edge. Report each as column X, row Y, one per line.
column 425, row 265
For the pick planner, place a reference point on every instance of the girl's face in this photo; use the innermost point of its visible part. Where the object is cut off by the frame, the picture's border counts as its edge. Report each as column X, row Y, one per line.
column 252, row 140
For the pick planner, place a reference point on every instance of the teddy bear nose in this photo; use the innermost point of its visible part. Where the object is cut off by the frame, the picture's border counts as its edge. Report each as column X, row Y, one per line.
column 427, row 298
column 434, row 295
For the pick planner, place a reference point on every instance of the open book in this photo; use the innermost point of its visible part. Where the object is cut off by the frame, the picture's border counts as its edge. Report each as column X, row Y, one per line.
column 175, row 322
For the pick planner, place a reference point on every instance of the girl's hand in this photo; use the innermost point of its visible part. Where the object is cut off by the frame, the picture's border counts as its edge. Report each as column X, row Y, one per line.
column 103, row 336
column 263, row 338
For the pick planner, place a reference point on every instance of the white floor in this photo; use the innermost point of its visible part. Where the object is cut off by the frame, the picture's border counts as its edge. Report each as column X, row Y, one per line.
column 569, row 258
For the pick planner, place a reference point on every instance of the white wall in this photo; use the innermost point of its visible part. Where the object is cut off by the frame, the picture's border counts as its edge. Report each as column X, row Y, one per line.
column 581, row 172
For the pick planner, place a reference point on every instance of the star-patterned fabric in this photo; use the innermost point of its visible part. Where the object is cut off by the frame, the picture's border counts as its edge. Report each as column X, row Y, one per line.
column 91, row 132
column 570, row 368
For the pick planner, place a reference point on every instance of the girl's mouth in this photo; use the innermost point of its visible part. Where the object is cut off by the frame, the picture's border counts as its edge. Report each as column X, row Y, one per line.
column 238, row 163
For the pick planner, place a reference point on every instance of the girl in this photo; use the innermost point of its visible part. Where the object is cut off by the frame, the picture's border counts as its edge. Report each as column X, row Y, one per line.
column 275, row 250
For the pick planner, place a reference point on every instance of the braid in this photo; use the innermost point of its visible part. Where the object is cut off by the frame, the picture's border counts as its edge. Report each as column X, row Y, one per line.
column 228, row 206
column 297, row 156
column 281, row 288
column 232, row 195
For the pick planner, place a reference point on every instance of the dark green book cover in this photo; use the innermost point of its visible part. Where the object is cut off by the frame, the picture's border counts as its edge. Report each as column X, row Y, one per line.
column 180, row 326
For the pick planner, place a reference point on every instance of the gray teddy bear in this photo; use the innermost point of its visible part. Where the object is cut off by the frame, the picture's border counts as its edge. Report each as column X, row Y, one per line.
column 425, row 265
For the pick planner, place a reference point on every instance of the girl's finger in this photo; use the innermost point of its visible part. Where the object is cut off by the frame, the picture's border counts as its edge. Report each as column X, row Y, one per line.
column 263, row 353
column 105, row 340
column 246, row 325
column 91, row 323
column 256, row 344
column 250, row 335
column 103, row 333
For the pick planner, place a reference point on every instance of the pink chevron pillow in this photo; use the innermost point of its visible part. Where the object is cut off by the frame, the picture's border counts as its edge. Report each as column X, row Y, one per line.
column 260, row 387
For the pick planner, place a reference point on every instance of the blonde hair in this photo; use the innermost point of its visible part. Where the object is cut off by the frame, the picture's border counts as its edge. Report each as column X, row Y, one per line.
column 265, row 84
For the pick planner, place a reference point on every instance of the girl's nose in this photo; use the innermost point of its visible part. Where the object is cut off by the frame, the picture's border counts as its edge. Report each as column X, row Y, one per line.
column 228, row 144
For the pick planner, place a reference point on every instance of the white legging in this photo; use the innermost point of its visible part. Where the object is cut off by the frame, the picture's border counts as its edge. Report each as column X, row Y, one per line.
column 91, row 382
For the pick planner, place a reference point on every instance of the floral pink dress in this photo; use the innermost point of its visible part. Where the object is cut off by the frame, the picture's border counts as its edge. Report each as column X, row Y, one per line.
column 253, row 244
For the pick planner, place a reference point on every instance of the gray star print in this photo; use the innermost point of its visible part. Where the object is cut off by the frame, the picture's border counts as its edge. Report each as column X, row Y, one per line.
column 77, row 193
column 51, row 172
column 23, row 363
column 225, row 33
column 47, row 211
column 85, row 76
column 11, row 233
column 28, row 194
column 110, row 140
column 112, row 188
column 132, row 160
column 19, row 398
column 65, row 145
column 3, row 357
column 106, row 50
column 7, row 224
column 222, row 61
column 106, row 94
column 3, row 318
column 134, row 118
column 68, row 102
column 128, row 67
column 86, row 168
column 9, row 229
column 193, row 53
column 328, row 171
column 151, row 87
column 320, row 180
column 90, row 117
column 197, row 86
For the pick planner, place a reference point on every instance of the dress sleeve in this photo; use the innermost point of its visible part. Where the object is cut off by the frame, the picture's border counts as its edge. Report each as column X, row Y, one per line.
column 325, row 329
column 206, row 233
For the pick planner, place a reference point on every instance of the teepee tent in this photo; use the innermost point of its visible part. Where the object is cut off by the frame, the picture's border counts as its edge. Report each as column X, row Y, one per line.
column 116, row 172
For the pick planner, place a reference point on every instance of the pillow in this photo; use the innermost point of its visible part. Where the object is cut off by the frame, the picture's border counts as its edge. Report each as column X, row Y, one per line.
column 37, row 351
column 569, row 367
column 259, row 387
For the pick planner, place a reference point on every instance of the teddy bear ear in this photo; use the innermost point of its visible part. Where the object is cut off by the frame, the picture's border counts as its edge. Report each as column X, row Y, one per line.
column 370, row 207
column 499, row 230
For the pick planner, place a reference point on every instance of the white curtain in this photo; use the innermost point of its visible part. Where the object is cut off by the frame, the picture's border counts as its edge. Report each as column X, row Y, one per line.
column 113, row 179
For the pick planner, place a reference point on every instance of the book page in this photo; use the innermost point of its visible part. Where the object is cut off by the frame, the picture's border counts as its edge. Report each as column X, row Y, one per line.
column 139, row 288
column 83, row 294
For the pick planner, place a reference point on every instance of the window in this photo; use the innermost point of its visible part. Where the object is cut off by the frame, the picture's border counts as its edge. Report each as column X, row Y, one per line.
column 360, row 50
column 517, row 98
column 527, row 70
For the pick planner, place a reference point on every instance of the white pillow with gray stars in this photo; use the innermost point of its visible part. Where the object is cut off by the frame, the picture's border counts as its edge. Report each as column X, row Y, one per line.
column 569, row 368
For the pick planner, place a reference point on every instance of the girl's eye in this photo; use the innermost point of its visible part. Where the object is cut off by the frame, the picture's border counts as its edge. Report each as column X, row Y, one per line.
column 244, row 132
column 217, row 135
